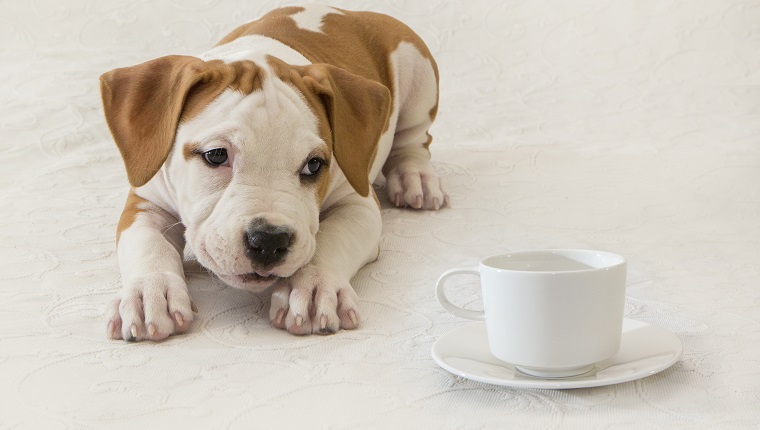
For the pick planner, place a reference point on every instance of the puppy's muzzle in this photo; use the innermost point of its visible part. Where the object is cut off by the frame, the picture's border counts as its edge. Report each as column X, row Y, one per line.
column 267, row 244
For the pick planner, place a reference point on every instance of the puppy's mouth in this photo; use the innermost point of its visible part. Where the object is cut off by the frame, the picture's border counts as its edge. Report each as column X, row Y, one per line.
column 257, row 277
column 254, row 281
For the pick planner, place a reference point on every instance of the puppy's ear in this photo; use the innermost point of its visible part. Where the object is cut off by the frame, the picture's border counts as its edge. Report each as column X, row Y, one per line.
column 357, row 110
column 144, row 104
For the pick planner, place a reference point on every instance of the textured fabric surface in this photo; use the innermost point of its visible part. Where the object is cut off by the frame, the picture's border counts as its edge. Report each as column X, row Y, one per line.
column 631, row 127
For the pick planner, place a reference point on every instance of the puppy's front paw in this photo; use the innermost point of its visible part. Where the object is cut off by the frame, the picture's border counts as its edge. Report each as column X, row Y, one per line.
column 415, row 184
column 151, row 307
column 314, row 301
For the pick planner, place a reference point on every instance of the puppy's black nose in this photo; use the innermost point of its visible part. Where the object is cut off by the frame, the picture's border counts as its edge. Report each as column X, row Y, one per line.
column 265, row 243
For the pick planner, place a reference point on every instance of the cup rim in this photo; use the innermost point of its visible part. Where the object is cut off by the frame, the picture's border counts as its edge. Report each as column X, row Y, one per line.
column 621, row 260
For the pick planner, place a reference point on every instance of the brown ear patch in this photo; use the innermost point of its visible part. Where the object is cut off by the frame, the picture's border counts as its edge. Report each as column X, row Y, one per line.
column 358, row 110
column 144, row 104
column 354, row 112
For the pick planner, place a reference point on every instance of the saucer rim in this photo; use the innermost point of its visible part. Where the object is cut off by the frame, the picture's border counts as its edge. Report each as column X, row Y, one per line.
column 582, row 381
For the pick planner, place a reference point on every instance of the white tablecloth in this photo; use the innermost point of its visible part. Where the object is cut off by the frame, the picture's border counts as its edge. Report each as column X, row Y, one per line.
column 631, row 127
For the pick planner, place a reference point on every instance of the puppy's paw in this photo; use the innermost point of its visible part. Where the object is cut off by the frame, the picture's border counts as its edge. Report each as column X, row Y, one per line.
column 151, row 307
column 314, row 301
column 414, row 184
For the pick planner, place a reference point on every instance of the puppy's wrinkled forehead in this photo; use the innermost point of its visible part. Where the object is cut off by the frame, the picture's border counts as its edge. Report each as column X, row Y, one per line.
column 278, row 105
column 243, row 77
column 274, row 107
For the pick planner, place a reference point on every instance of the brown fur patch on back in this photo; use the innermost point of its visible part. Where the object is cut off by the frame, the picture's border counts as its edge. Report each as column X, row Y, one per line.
column 359, row 42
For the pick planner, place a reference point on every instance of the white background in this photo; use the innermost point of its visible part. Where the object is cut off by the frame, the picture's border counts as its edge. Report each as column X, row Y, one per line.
column 627, row 126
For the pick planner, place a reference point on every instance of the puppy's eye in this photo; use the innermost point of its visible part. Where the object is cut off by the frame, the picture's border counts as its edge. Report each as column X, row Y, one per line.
column 216, row 156
column 312, row 167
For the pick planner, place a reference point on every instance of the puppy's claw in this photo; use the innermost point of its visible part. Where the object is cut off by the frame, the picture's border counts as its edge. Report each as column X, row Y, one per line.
column 352, row 316
column 279, row 317
column 436, row 204
column 112, row 330
column 323, row 322
column 193, row 307
column 151, row 329
column 299, row 320
column 132, row 334
column 179, row 319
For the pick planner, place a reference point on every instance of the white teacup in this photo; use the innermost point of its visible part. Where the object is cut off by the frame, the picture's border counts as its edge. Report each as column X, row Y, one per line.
column 551, row 313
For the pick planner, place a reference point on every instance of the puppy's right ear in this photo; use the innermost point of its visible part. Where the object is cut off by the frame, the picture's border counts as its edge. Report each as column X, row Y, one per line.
column 144, row 104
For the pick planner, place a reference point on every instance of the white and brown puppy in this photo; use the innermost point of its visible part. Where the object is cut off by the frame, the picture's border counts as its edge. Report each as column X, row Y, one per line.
column 257, row 158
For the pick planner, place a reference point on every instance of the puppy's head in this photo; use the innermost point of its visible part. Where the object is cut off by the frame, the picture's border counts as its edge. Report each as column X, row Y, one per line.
column 248, row 152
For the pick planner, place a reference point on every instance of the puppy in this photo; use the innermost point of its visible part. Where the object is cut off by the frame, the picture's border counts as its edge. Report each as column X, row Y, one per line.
column 257, row 158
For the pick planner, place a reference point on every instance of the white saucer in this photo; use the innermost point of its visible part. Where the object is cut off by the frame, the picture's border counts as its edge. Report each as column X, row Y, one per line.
column 645, row 350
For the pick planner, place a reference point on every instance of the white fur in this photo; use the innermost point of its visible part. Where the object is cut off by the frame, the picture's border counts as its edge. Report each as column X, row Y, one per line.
column 269, row 135
column 254, row 48
column 311, row 17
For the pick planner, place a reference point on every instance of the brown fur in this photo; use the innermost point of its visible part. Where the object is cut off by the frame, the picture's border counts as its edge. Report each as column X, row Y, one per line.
column 144, row 104
column 131, row 210
column 189, row 150
column 359, row 42
column 323, row 183
column 352, row 112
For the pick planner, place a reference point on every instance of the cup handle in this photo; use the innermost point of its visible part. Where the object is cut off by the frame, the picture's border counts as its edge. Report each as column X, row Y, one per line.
column 444, row 301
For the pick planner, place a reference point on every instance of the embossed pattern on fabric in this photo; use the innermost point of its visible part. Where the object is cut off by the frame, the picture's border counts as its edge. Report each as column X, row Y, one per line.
column 632, row 127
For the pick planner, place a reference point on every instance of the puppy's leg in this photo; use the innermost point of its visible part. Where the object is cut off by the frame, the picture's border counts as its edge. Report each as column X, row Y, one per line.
column 153, row 302
column 410, row 179
column 319, row 298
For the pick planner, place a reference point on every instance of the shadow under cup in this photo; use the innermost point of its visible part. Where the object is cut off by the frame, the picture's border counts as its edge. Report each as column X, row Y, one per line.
column 552, row 313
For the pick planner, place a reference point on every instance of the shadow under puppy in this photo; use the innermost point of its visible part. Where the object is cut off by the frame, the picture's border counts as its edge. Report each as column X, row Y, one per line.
column 264, row 149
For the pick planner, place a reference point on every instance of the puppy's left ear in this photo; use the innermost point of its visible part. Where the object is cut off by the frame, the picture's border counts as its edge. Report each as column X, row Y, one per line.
column 357, row 109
